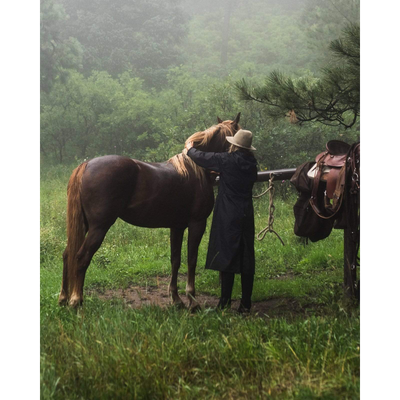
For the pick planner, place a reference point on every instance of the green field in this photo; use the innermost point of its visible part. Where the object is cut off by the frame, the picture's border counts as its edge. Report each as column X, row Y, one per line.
column 308, row 349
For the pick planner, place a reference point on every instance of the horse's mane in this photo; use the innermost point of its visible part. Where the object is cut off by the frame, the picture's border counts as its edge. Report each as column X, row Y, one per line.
column 218, row 133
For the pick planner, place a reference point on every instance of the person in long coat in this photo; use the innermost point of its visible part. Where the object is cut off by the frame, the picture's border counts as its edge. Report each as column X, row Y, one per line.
column 231, row 244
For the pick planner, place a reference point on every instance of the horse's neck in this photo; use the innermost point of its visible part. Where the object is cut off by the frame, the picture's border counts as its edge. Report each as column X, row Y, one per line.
column 186, row 167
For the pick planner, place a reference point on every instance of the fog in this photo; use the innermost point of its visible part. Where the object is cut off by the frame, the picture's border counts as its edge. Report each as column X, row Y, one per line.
column 136, row 77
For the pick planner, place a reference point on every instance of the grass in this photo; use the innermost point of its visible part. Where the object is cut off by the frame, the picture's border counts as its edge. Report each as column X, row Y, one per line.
column 108, row 350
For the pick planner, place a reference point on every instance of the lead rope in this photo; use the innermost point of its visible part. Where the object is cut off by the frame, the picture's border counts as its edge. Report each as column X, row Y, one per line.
column 269, row 227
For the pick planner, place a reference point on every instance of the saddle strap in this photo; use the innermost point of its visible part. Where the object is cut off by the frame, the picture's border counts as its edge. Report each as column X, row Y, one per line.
column 317, row 178
column 337, row 197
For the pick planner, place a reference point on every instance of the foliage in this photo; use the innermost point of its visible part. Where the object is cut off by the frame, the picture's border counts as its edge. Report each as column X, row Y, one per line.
column 121, row 35
column 262, row 35
column 98, row 115
column 333, row 100
column 323, row 20
column 57, row 54
column 125, row 111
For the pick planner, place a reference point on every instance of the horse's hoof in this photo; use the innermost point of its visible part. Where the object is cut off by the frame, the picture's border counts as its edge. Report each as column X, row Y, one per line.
column 62, row 301
column 194, row 308
column 75, row 302
column 179, row 305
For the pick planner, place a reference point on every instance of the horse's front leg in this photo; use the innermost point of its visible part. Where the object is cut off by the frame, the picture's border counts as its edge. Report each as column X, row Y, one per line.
column 176, row 237
column 196, row 231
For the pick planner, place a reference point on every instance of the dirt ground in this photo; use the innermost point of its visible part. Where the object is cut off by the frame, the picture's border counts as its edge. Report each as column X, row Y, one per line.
column 138, row 296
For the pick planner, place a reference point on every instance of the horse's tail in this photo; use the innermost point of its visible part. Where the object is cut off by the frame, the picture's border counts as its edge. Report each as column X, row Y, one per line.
column 76, row 229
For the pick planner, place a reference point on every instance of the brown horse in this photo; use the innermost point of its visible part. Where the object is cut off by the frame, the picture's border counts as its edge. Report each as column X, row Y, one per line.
column 176, row 194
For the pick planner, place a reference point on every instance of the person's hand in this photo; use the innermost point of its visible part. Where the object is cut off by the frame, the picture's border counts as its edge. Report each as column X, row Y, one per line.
column 188, row 145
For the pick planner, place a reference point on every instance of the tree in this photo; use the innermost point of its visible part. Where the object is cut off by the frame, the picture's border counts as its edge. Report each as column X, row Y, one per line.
column 323, row 20
column 333, row 99
column 226, row 35
column 121, row 35
column 57, row 54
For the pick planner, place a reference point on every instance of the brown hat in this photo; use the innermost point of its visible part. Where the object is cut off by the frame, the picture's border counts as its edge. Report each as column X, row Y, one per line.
column 242, row 139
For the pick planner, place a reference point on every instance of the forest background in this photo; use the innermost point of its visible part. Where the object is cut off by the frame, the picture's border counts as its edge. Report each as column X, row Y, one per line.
column 138, row 78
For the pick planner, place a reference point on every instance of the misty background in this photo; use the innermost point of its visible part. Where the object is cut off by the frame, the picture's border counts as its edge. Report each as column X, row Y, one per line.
column 137, row 77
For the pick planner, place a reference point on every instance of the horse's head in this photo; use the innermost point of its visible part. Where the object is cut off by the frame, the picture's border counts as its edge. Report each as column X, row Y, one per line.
column 214, row 138
column 233, row 125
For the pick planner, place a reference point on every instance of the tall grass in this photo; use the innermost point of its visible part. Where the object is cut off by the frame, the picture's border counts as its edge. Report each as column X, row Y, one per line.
column 108, row 350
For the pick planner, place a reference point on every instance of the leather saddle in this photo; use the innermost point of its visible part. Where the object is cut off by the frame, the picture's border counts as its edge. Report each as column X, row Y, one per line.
column 334, row 158
column 330, row 167
column 329, row 181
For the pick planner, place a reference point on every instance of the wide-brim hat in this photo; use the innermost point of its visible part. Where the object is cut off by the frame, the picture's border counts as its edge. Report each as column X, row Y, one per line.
column 242, row 139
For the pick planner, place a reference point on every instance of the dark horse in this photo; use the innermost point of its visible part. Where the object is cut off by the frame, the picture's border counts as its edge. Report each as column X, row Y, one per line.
column 176, row 194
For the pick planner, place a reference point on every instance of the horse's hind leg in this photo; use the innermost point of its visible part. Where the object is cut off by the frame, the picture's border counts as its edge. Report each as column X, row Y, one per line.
column 63, row 298
column 196, row 231
column 176, row 237
column 89, row 247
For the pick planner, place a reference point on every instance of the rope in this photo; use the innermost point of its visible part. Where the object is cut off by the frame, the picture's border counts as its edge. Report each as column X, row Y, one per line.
column 262, row 194
column 269, row 227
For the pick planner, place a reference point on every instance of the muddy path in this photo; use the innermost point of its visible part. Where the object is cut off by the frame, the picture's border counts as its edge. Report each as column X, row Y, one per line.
column 157, row 295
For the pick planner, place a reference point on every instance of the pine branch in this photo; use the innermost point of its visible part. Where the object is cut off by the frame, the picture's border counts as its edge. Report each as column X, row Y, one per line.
column 326, row 100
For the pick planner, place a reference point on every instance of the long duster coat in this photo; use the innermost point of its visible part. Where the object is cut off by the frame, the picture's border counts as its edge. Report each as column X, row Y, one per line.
column 231, row 244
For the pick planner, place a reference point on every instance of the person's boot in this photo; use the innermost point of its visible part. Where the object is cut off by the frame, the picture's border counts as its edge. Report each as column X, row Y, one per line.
column 243, row 309
column 227, row 279
column 223, row 303
column 247, row 290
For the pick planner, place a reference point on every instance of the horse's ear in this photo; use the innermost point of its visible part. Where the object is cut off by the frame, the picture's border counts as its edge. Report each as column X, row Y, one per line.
column 219, row 120
column 236, row 120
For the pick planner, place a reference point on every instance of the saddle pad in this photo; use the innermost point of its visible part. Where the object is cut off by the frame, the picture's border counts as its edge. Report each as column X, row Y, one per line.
column 314, row 170
column 331, row 180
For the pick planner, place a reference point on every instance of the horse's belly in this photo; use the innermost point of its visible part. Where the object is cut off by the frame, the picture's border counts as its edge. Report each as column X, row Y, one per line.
column 163, row 216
